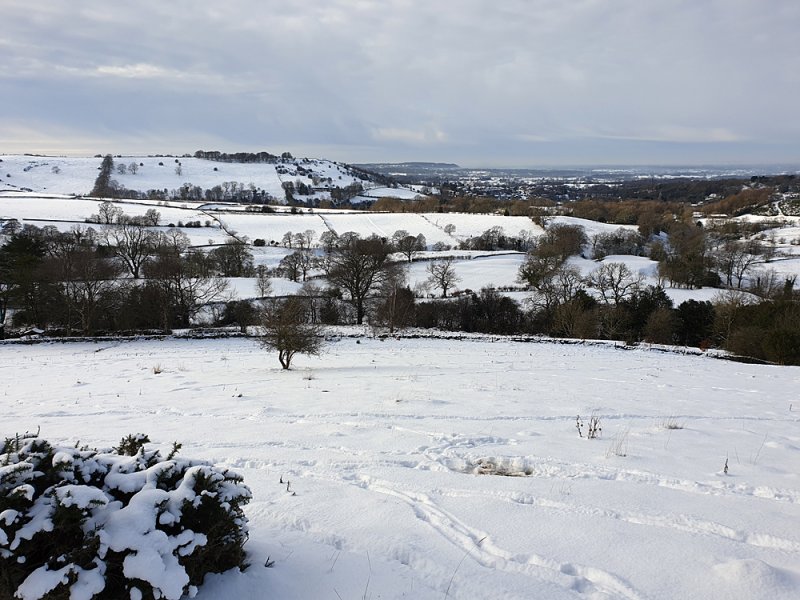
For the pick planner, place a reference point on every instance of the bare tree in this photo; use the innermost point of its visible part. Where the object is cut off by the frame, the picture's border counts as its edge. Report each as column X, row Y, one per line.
column 615, row 282
column 442, row 274
column 358, row 266
column 133, row 168
column 89, row 285
column 287, row 330
column 560, row 240
column 108, row 213
column 397, row 302
column 538, row 269
column 233, row 259
column 183, row 286
column 563, row 287
column 408, row 245
column 552, row 282
column 290, row 266
column 263, row 282
column 151, row 217
column 303, row 240
column 131, row 242
column 736, row 259
column 327, row 240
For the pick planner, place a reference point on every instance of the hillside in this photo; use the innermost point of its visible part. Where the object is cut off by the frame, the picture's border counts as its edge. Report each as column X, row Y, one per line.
column 315, row 178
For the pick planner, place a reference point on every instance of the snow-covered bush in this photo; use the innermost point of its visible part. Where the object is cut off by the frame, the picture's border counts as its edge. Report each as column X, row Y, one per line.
column 125, row 523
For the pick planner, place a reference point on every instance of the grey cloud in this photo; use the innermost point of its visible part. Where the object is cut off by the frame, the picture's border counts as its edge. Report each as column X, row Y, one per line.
column 519, row 81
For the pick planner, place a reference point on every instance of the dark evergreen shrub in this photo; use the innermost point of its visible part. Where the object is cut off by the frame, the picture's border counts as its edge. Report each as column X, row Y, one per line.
column 126, row 523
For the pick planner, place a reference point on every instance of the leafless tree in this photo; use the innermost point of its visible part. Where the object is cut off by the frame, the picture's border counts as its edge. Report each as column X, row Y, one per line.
column 408, row 245
column 615, row 282
column 396, row 306
column 358, row 266
column 560, row 240
column 537, row 270
column 263, row 282
column 233, row 259
column 183, row 286
column 89, row 285
column 151, row 217
column 442, row 274
column 303, row 240
column 108, row 213
column 131, row 242
column 327, row 240
column 739, row 259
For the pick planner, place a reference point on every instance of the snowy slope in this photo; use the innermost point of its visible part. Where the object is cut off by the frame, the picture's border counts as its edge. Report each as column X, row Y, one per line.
column 472, row 225
column 76, row 175
column 384, row 444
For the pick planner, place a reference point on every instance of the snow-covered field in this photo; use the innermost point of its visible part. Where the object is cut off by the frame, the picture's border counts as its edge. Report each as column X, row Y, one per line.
column 64, row 212
column 395, row 452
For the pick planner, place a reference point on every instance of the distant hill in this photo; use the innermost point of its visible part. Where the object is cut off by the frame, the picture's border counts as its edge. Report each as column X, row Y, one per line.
column 407, row 165
column 207, row 176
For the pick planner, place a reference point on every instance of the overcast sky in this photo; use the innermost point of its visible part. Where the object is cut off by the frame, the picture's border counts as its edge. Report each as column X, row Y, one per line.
column 477, row 82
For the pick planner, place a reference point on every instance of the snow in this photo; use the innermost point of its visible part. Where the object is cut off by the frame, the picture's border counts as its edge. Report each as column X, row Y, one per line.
column 372, row 194
column 76, row 175
column 488, row 270
column 376, row 467
column 591, row 227
column 473, row 225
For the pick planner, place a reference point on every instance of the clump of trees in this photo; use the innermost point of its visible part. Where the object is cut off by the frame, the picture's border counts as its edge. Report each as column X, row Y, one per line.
column 73, row 281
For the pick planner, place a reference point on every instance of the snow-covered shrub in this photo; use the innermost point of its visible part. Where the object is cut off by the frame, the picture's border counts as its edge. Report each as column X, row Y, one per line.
column 126, row 523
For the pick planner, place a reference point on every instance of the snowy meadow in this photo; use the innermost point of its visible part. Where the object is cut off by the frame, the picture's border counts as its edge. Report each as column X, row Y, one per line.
column 441, row 468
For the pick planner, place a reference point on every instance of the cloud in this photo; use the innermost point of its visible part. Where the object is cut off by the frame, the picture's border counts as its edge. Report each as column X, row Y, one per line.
column 138, row 71
column 525, row 80
column 409, row 136
column 679, row 134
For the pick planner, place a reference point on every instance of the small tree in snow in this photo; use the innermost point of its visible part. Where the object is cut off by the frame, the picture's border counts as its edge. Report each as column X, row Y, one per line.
column 287, row 330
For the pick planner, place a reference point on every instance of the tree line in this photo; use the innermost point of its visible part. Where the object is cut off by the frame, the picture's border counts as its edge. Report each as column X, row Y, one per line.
column 127, row 276
column 123, row 276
